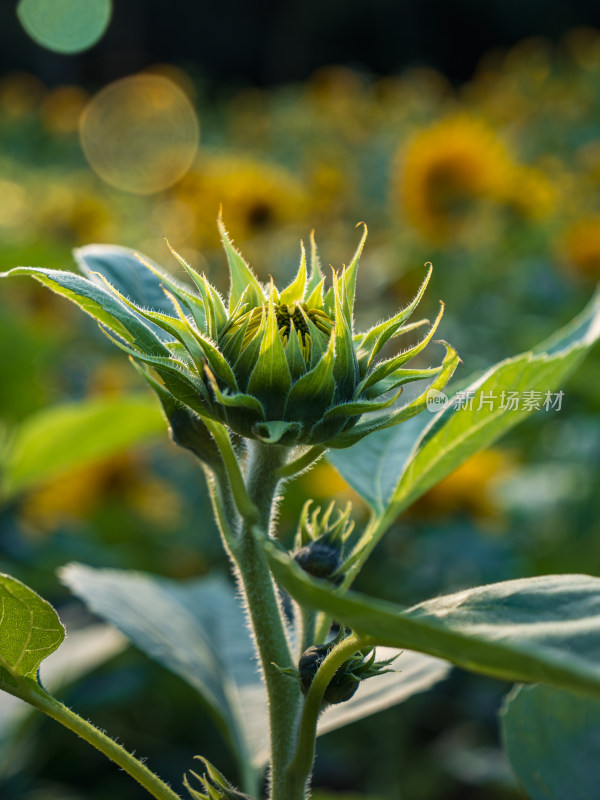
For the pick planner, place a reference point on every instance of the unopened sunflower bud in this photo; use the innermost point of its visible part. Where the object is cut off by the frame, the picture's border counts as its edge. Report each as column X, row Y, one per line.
column 345, row 681
column 321, row 539
column 282, row 366
column 318, row 559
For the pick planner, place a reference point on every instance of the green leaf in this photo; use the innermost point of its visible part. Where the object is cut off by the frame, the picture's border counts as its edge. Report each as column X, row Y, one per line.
column 189, row 618
column 98, row 303
column 30, row 630
column 293, row 354
column 544, row 629
column 124, row 270
column 195, row 630
column 412, row 673
column 456, row 434
column 372, row 466
column 314, row 287
column 391, row 365
column 394, row 467
column 68, row 436
column 345, row 366
column 403, row 413
column 552, row 738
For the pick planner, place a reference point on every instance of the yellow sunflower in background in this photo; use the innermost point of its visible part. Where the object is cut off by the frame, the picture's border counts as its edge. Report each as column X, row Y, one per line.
column 256, row 195
column 469, row 489
column 530, row 193
column 448, row 168
column 580, row 247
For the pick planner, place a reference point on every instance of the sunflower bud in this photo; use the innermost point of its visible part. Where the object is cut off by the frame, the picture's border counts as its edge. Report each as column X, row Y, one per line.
column 321, row 539
column 346, row 679
column 282, row 366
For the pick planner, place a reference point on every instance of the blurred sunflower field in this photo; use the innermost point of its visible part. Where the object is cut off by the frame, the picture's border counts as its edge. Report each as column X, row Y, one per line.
column 495, row 181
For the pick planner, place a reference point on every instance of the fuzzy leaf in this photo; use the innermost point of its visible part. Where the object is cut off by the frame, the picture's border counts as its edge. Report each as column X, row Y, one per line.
column 293, row 354
column 544, row 629
column 124, row 270
column 213, row 309
column 98, row 303
column 552, row 738
column 65, row 437
column 348, row 280
column 30, row 630
column 400, row 415
column 393, row 468
column 316, row 279
column 400, row 378
column 345, row 367
column 386, row 368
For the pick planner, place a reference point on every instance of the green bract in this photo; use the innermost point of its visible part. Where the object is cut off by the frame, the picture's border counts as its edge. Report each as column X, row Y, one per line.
column 281, row 367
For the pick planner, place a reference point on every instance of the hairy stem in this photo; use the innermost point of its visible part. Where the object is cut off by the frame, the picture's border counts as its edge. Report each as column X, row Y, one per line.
column 255, row 501
column 298, row 770
column 266, row 617
column 266, row 613
column 262, row 479
column 306, row 619
column 40, row 699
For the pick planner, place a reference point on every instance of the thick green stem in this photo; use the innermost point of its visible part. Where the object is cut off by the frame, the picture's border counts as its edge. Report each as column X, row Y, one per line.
column 266, row 617
column 298, row 770
column 255, row 501
column 262, row 479
column 265, row 610
column 41, row 700
column 307, row 619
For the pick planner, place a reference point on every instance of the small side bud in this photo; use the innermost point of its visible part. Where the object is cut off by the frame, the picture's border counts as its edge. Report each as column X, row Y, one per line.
column 344, row 683
column 320, row 541
column 318, row 559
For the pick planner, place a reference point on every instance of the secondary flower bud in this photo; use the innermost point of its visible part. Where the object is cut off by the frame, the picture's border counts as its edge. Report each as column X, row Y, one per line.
column 321, row 539
column 345, row 681
column 318, row 559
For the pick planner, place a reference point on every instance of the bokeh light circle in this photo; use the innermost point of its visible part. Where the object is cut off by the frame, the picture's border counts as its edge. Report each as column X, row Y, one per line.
column 65, row 26
column 140, row 134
